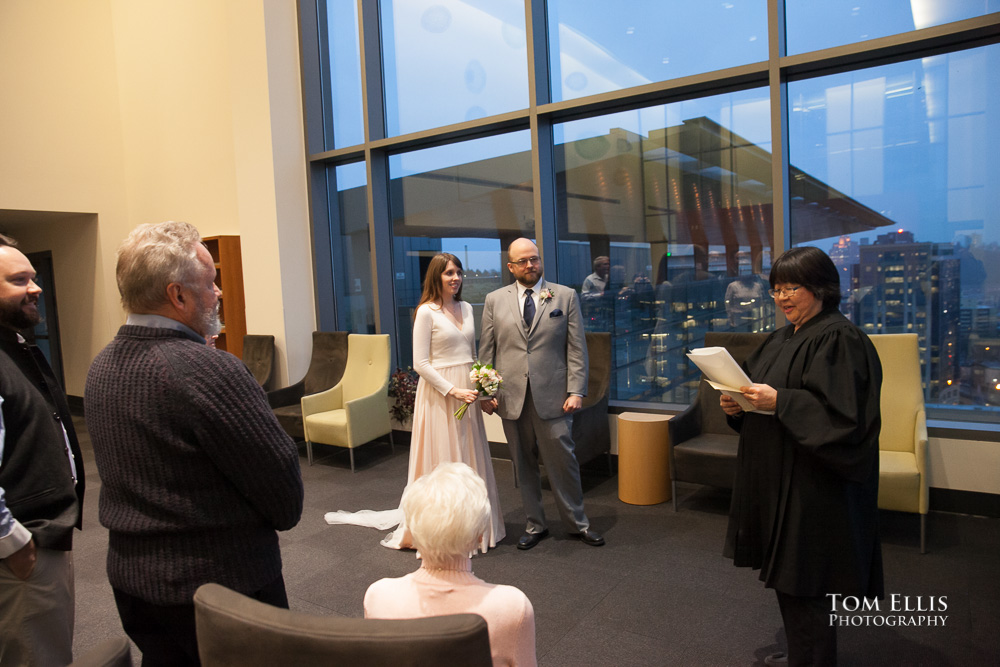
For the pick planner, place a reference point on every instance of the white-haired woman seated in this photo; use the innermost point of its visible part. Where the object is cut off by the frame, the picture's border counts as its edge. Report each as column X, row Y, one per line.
column 447, row 512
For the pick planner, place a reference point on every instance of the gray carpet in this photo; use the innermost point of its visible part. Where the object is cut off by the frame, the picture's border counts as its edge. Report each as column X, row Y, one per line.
column 659, row 592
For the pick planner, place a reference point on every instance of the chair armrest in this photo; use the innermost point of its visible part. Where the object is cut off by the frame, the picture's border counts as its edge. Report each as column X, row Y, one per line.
column 324, row 401
column 289, row 395
column 685, row 425
column 920, row 452
column 368, row 416
column 368, row 402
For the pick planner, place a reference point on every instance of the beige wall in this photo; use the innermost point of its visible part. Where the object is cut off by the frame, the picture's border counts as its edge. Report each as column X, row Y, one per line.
column 133, row 111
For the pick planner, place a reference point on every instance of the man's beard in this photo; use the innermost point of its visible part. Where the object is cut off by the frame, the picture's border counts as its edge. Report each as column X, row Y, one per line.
column 13, row 316
column 210, row 323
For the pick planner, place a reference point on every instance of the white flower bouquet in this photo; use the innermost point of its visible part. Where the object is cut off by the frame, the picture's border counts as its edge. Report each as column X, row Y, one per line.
column 487, row 382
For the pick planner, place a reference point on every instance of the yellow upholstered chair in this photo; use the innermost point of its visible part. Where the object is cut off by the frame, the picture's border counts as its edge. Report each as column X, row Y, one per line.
column 902, row 484
column 355, row 410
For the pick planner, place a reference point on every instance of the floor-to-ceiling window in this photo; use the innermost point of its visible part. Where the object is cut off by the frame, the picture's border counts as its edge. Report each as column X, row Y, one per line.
column 597, row 48
column 470, row 199
column 664, row 219
column 917, row 142
column 350, row 260
column 662, row 154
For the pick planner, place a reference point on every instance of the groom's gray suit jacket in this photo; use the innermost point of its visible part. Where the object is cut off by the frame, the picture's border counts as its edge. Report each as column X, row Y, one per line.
column 552, row 355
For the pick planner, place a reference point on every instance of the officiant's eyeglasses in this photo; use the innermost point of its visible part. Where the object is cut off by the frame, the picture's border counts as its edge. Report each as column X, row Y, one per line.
column 784, row 291
column 528, row 260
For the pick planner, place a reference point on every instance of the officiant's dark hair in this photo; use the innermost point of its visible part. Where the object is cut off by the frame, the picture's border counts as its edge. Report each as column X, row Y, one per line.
column 811, row 268
column 432, row 280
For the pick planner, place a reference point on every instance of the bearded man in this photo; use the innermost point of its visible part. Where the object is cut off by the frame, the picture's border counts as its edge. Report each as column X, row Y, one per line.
column 41, row 483
column 197, row 475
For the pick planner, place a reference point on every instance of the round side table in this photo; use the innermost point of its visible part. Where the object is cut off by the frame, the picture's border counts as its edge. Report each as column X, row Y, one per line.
column 643, row 458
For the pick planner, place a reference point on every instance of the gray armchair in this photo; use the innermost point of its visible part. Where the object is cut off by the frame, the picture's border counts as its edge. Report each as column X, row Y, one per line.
column 236, row 630
column 258, row 355
column 702, row 445
column 591, row 432
column 326, row 368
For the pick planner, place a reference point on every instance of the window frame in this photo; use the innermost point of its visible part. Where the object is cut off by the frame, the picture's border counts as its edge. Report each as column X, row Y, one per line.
column 542, row 113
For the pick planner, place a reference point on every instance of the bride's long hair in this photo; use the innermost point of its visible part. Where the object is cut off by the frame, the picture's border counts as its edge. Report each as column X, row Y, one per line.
column 433, row 293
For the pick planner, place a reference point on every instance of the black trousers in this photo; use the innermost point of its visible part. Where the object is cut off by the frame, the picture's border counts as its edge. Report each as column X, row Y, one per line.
column 812, row 639
column 166, row 633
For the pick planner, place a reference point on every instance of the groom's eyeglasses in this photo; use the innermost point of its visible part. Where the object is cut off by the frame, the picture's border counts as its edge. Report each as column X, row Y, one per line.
column 528, row 260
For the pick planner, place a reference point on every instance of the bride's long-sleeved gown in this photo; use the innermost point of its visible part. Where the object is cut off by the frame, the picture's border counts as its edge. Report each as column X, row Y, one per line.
column 443, row 353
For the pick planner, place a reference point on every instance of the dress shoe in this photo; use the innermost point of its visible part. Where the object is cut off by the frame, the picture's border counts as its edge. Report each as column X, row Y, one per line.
column 590, row 537
column 776, row 659
column 528, row 540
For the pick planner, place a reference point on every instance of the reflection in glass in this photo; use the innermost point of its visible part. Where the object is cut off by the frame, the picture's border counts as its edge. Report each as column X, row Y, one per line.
column 664, row 223
column 470, row 199
column 448, row 61
column 909, row 151
column 352, row 271
column 342, row 72
column 812, row 25
column 596, row 49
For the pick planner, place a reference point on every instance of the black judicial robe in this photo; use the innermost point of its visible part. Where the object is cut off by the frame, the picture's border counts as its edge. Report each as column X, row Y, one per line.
column 805, row 498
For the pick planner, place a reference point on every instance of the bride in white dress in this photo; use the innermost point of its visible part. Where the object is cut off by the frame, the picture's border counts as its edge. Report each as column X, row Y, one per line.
column 444, row 342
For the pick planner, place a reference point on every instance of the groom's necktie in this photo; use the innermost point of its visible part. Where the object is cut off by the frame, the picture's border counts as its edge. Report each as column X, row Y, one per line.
column 529, row 308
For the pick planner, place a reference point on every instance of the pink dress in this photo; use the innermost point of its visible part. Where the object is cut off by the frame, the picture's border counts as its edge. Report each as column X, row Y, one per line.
column 455, row 590
column 443, row 354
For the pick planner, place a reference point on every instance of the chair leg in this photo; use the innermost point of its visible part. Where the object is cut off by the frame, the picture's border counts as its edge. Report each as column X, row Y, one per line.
column 673, row 493
column 923, row 533
column 351, row 450
column 392, row 443
column 309, row 451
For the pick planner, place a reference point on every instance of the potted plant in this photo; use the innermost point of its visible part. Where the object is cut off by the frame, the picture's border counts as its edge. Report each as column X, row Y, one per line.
column 403, row 389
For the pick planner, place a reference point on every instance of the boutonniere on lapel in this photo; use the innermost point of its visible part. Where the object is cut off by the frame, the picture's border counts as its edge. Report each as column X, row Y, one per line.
column 545, row 295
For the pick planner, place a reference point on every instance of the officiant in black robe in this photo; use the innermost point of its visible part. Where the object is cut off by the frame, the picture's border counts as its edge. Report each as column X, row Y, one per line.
column 804, row 509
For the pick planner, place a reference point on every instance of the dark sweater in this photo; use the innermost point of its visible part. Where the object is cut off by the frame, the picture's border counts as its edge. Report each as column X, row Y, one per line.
column 36, row 476
column 196, row 473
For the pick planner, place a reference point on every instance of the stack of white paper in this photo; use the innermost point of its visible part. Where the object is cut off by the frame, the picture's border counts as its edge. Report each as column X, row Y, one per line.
column 723, row 373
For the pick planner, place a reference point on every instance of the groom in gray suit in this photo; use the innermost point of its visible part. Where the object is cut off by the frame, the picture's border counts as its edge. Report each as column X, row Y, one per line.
column 532, row 333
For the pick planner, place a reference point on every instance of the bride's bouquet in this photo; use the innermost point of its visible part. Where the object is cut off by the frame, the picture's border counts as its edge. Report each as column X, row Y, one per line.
column 487, row 382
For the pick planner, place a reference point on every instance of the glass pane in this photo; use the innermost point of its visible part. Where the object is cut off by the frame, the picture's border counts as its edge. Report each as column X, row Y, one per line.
column 448, row 61
column 811, row 25
column 598, row 47
column 342, row 71
column 907, row 155
column 470, row 199
column 665, row 226
column 352, row 268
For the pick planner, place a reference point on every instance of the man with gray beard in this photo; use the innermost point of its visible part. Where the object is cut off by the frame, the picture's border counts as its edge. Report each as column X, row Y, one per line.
column 197, row 475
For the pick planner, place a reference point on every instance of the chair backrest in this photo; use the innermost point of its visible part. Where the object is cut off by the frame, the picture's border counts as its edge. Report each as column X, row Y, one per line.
column 236, row 630
column 740, row 345
column 599, row 358
column 115, row 652
column 902, row 389
column 329, row 358
column 258, row 355
column 367, row 369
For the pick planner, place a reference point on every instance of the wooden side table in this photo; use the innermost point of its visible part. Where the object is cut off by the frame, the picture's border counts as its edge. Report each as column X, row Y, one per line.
column 643, row 458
